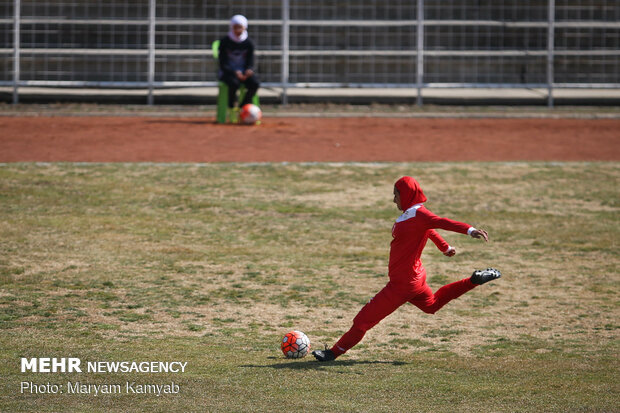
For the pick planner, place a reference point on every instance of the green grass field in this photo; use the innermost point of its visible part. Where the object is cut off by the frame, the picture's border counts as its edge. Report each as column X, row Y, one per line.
column 213, row 264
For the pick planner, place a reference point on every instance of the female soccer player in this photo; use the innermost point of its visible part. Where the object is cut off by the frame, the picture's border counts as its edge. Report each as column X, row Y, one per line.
column 407, row 275
column 236, row 55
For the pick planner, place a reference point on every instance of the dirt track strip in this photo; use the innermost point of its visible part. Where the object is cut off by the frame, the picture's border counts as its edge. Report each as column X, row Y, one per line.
column 140, row 139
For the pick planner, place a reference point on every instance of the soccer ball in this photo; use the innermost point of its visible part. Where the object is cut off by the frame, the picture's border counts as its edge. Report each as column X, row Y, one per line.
column 250, row 114
column 295, row 345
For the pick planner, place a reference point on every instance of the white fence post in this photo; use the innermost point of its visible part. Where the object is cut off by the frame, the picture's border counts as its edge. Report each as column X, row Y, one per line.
column 285, row 49
column 16, row 45
column 420, row 51
column 151, row 65
column 550, row 51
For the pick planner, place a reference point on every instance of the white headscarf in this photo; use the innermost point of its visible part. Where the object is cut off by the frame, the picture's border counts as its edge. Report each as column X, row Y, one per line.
column 241, row 20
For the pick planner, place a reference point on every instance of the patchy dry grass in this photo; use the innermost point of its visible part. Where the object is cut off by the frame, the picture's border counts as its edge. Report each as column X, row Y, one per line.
column 104, row 260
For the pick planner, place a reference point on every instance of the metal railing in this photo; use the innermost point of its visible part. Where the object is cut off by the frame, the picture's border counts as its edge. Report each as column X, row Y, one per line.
column 154, row 44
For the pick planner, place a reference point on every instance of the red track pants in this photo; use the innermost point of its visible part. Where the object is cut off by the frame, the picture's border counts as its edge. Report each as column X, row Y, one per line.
column 393, row 296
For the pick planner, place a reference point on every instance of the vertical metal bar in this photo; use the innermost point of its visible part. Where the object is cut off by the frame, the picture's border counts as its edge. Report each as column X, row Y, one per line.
column 285, row 49
column 550, row 52
column 16, row 50
column 420, row 51
column 151, row 64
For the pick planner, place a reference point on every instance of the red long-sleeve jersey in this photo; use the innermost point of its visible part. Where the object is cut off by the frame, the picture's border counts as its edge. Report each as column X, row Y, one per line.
column 410, row 233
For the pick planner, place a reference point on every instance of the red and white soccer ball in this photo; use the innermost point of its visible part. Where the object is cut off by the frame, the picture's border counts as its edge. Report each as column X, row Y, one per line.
column 295, row 345
column 250, row 114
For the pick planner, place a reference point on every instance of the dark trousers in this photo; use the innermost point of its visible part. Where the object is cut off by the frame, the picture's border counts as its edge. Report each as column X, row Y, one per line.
column 251, row 84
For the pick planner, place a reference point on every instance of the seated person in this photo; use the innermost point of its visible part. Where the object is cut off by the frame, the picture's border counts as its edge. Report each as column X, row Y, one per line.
column 236, row 55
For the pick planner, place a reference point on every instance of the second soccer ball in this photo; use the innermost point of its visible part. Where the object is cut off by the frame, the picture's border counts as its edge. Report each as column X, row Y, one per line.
column 250, row 114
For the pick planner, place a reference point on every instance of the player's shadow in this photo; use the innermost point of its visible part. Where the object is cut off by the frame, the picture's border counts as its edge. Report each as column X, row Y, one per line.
column 316, row 365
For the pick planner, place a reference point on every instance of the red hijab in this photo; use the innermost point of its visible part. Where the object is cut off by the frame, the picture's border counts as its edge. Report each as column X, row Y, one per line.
column 410, row 192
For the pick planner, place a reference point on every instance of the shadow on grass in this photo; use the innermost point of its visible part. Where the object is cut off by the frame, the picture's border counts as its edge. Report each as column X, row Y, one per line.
column 316, row 365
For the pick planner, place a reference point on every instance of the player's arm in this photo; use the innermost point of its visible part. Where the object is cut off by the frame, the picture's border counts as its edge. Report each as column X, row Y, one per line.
column 223, row 57
column 435, row 222
column 441, row 243
column 249, row 63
